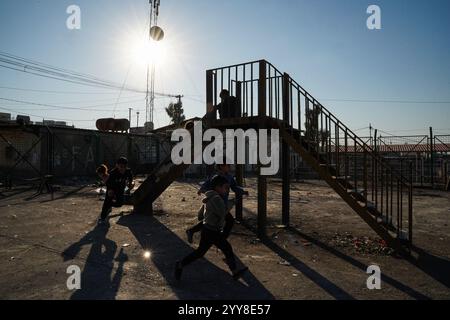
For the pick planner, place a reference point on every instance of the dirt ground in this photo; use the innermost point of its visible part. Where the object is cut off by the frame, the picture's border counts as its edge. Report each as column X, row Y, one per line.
column 317, row 258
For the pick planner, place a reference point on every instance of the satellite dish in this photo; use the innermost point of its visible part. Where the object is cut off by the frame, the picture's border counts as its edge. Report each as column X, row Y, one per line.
column 156, row 33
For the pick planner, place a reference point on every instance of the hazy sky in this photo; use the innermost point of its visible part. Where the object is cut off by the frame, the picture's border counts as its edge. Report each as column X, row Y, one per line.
column 324, row 45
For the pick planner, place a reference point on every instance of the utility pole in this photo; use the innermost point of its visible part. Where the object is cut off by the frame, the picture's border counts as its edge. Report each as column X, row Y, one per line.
column 155, row 34
column 129, row 116
column 375, row 140
column 137, row 122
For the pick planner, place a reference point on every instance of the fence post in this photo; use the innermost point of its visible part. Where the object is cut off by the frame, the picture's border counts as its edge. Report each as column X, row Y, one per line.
column 210, row 95
column 432, row 157
column 262, row 181
column 447, row 188
column 239, row 167
column 44, row 152
column 49, row 152
column 285, row 154
column 375, row 170
column 410, row 206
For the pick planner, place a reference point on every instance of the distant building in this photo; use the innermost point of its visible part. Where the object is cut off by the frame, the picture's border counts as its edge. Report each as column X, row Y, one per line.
column 52, row 123
column 140, row 130
column 49, row 123
column 5, row 117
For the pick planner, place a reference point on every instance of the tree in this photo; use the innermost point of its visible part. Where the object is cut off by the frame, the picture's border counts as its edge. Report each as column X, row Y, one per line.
column 175, row 112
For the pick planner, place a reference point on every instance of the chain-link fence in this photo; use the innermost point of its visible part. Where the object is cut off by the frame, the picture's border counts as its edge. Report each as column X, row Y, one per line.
column 424, row 163
column 36, row 151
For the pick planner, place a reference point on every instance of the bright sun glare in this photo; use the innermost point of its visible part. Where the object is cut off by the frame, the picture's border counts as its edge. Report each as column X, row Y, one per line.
column 144, row 52
column 147, row 254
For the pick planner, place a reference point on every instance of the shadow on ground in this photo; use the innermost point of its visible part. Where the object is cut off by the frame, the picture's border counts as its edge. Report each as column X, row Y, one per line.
column 436, row 267
column 426, row 264
column 97, row 278
column 327, row 285
column 205, row 280
column 37, row 198
column 201, row 280
column 358, row 264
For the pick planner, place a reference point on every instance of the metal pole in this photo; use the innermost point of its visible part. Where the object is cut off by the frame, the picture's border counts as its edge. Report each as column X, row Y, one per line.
column 285, row 153
column 239, row 167
column 137, row 122
column 210, row 95
column 129, row 117
column 262, row 181
column 375, row 170
column 410, row 206
column 432, row 157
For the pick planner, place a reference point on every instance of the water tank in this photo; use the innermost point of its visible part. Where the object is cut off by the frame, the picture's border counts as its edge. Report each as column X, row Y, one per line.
column 23, row 119
column 114, row 125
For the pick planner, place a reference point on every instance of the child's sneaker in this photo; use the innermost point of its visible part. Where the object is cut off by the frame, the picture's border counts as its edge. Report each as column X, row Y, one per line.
column 190, row 236
column 178, row 271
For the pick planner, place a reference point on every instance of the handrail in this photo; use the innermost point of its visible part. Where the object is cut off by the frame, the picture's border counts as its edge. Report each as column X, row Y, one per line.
column 405, row 181
column 263, row 90
column 364, row 145
column 235, row 65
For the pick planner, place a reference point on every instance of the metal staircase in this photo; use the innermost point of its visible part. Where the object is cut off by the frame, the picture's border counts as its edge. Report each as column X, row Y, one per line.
column 379, row 194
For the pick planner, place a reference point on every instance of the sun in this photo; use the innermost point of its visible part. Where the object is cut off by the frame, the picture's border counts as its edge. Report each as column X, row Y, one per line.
column 143, row 51
column 147, row 52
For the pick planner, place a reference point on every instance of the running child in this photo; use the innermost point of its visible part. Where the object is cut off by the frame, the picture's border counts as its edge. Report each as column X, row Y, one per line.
column 222, row 170
column 212, row 229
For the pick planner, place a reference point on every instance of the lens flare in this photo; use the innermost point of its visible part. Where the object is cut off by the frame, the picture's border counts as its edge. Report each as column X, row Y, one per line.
column 146, row 52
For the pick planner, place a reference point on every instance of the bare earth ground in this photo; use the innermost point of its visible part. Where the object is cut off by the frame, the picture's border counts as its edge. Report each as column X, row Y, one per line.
column 315, row 259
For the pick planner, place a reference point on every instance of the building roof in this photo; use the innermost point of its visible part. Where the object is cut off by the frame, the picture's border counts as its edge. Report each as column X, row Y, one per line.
column 174, row 126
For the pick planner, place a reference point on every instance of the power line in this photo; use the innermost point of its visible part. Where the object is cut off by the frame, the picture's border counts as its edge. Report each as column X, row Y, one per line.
column 56, row 71
column 57, row 92
column 390, row 135
column 160, row 94
column 195, row 100
column 90, row 102
column 19, row 64
column 50, row 77
column 124, row 83
column 55, row 75
column 9, row 55
column 53, row 109
column 388, row 101
column 41, row 117
column 86, row 108
column 360, row 129
column 121, row 90
column 113, row 92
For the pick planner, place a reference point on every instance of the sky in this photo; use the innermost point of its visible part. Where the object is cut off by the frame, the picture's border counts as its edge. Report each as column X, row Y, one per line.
column 324, row 45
